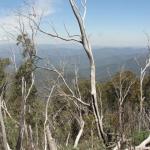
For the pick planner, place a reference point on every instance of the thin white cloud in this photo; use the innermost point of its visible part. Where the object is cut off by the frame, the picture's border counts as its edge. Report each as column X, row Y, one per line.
column 3, row 38
column 9, row 20
column 43, row 6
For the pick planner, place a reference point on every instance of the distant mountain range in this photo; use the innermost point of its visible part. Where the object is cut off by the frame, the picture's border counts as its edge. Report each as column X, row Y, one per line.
column 107, row 59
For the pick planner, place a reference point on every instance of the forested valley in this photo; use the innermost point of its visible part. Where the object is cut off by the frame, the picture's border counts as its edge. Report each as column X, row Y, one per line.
column 63, row 111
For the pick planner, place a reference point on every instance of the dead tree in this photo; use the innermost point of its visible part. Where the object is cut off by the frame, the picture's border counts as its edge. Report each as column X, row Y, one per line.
column 26, row 40
column 25, row 94
column 142, row 98
column 48, row 139
column 73, row 98
column 80, row 132
column 4, row 136
column 142, row 77
column 143, row 146
column 84, row 41
column 78, row 117
column 122, row 86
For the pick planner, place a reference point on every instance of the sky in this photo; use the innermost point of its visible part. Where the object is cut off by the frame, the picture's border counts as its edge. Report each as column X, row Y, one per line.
column 108, row 22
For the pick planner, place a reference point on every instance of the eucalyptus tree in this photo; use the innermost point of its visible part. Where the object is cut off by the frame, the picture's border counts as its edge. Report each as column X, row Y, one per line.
column 83, row 40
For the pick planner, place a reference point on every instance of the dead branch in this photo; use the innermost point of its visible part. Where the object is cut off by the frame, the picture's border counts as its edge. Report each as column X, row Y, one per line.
column 25, row 94
column 4, row 136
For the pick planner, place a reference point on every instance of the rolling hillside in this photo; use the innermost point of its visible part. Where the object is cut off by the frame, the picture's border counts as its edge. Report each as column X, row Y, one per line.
column 107, row 59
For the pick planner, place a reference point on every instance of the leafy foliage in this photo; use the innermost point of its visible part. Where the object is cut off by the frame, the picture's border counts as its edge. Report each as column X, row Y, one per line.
column 62, row 113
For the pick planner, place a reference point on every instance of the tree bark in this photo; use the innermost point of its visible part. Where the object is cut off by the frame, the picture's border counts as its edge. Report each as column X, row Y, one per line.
column 87, row 47
column 79, row 134
column 51, row 142
column 145, row 145
column 121, row 121
column 21, row 126
column 25, row 95
column 31, row 138
column 5, row 143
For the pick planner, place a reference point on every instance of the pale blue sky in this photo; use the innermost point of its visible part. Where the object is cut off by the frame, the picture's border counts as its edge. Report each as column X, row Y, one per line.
column 109, row 22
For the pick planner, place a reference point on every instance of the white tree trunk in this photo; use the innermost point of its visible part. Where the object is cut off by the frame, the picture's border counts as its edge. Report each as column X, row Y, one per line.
column 145, row 145
column 51, row 141
column 87, row 47
column 79, row 134
column 5, row 143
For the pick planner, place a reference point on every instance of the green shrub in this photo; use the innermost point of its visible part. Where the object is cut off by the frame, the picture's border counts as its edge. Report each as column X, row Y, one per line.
column 138, row 137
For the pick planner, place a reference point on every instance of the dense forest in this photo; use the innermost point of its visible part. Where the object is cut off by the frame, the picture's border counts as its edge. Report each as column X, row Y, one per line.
column 65, row 117
column 66, row 112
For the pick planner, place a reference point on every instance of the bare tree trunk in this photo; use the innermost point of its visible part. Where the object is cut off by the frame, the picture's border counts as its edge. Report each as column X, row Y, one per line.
column 87, row 47
column 83, row 39
column 21, row 126
column 144, row 145
column 67, row 140
column 121, row 121
column 22, row 118
column 142, row 98
column 31, row 138
column 5, row 143
column 79, row 134
column 51, row 141
column 142, row 76
column 37, row 137
column 25, row 95
column 47, row 131
column 26, row 134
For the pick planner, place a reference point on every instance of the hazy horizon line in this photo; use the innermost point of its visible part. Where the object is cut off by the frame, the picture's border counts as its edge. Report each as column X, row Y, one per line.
column 77, row 45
